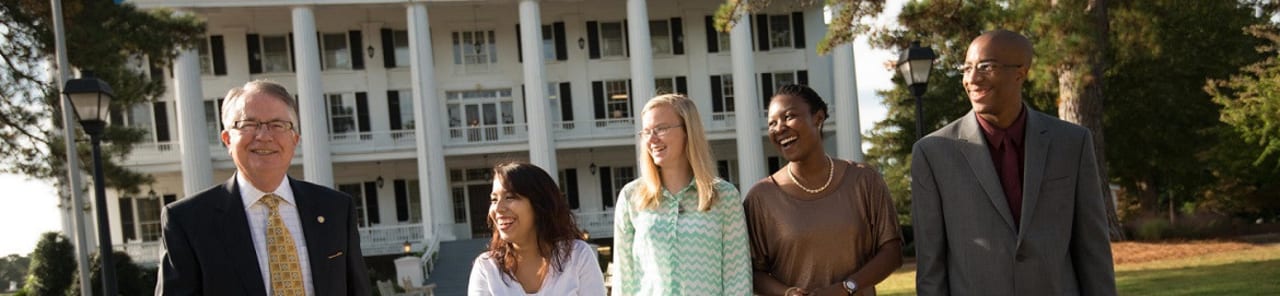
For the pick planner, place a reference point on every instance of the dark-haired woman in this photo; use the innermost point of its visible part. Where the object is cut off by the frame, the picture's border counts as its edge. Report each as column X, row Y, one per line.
column 536, row 247
column 819, row 225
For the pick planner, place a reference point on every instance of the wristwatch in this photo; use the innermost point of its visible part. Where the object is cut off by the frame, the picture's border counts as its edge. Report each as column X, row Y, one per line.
column 850, row 286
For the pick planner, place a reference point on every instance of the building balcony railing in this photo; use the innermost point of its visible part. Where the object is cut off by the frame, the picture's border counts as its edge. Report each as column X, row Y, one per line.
column 389, row 239
column 142, row 253
column 597, row 224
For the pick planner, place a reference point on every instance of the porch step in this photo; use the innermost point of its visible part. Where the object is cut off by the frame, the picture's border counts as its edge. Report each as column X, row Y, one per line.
column 453, row 270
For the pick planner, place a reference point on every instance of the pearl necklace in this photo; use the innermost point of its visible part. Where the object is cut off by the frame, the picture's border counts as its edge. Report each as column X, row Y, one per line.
column 830, row 173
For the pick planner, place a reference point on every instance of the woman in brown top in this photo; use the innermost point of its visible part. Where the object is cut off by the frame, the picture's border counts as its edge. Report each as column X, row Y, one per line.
column 819, row 225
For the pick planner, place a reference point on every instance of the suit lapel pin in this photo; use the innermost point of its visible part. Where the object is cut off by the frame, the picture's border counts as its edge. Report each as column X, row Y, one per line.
column 320, row 219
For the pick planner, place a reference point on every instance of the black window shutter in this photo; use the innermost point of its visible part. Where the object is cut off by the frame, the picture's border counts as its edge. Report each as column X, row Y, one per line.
column 524, row 99
column 713, row 36
column 168, row 198
column 571, row 186
column 255, row 53
column 682, row 85
column 593, row 40
column 762, row 32
column 388, row 48
column 562, row 49
column 162, row 121
column 402, row 200
column 802, row 77
column 626, row 38
column 606, row 187
column 371, row 202
column 717, row 94
column 219, row 55
column 293, row 61
column 597, row 88
column 519, row 46
column 357, row 49
column 157, row 73
column 677, row 36
column 362, row 111
column 766, row 88
column 393, row 105
column 566, row 102
column 126, row 219
column 797, row 28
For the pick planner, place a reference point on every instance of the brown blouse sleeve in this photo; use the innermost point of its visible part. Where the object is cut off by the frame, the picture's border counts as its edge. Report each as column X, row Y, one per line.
column 881, row 212
column 758, row 226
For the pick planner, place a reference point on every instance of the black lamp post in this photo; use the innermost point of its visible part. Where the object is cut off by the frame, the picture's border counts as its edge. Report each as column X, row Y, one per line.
column 915, row 64
column 91, row 97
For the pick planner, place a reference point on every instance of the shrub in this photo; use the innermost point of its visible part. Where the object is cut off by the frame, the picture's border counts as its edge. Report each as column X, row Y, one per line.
column 53, row 266
column 1153, row 229
column 130, row 278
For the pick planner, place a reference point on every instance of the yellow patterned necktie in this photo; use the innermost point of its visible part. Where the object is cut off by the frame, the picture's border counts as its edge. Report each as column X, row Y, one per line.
column 282, row 255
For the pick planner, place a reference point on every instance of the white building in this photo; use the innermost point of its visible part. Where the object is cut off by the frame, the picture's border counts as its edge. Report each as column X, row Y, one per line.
column 406, row 105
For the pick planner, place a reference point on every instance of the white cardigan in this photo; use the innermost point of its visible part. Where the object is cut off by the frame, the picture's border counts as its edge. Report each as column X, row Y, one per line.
column 581, row 276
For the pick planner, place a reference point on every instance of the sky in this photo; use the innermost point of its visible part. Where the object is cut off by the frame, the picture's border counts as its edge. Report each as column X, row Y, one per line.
column 31, row 208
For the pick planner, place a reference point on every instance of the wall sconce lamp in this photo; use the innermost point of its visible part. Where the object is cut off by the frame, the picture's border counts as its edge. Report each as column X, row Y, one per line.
column 369, row 50
column 379, row 181
column 582, row 43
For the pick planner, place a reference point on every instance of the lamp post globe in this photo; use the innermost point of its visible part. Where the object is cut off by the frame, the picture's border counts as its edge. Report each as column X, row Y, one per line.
column 915, row 64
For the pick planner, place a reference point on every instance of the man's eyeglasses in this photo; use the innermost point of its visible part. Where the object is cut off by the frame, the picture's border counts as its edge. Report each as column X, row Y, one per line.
column 657, row 131
column 250, row 126
column 984, row 67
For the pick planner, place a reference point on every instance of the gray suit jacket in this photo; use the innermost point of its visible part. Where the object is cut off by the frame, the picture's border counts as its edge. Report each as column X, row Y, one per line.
column 965, row 238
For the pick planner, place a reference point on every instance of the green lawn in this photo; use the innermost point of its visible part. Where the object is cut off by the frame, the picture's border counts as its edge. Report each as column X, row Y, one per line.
column 1254, row 271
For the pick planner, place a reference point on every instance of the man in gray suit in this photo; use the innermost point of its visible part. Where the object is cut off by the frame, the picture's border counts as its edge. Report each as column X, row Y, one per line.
column 1006, row 200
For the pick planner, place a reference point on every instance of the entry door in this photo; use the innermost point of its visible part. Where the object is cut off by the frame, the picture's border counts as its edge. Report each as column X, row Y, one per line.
column 478, row 200
column 482, row 122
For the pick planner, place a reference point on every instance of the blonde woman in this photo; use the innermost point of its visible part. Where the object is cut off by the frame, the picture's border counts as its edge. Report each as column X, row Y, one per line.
column 678, row 229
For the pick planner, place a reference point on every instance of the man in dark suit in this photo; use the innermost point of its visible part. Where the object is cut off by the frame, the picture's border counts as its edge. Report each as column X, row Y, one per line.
column 1006, row 200
column 262, row 232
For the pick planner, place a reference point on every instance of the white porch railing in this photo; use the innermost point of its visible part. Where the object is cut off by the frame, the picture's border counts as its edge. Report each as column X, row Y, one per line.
column 599, row 128
column 389, row 239
column 508, row 132
column 142, row 253
column 598, row 224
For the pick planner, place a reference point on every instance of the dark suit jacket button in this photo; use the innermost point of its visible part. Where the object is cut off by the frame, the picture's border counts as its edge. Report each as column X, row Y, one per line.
column 1020, row 257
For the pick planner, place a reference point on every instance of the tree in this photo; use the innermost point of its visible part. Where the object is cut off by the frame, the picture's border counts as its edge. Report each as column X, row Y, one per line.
column 13, row 268
column 115, row 41
column 1164, row 129
column 52, row 266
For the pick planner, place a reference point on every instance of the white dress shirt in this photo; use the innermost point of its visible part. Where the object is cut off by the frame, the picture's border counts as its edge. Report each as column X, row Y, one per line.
column 581, row 276
column 257, row 214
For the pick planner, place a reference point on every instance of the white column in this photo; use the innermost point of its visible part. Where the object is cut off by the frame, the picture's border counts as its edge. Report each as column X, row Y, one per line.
column 197, row 166
column 848, row 132
column 642, row 87
column 542, row 147
column 431, row 170
column 316, row 166
column 746, row 104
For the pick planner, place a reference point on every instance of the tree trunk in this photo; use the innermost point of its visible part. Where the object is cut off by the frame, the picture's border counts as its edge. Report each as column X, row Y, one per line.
column 1080, row 100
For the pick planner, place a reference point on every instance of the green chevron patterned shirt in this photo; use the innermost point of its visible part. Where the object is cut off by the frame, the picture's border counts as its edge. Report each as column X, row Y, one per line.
column 676, row 249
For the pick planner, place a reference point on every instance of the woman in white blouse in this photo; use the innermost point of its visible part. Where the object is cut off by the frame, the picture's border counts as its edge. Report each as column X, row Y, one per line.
column 536, row 247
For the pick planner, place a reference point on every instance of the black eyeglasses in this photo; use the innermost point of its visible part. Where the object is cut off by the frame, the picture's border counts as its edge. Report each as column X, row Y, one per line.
column 275, row 126
column 984, row 67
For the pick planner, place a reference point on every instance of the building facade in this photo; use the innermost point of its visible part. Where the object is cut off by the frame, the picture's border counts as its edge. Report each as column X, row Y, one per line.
column 406, row 105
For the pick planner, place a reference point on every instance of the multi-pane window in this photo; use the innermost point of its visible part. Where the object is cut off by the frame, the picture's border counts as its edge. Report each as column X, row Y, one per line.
column 613, row 42
column 400, row 39
column 622, row 176
column 213, row 120
column 402, row 105
column 206, row 59
column 664, row 86
column 480, row 115
column 415, row 201
column 336, row 51
column 780, row 31
column 459, row 205
column 784, row 78
column 139, row 117
column 728, row 170
column 660, row 37
column 140, row 218
column 725, row 42
column 474, row 50
column 726, row 91
column 357, row 195
column 275, row 54
column 342, row 115
column 548, row 43
column 617, row 99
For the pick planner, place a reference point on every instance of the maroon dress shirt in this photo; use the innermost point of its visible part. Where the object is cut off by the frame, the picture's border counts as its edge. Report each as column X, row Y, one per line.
column 1007, row 154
